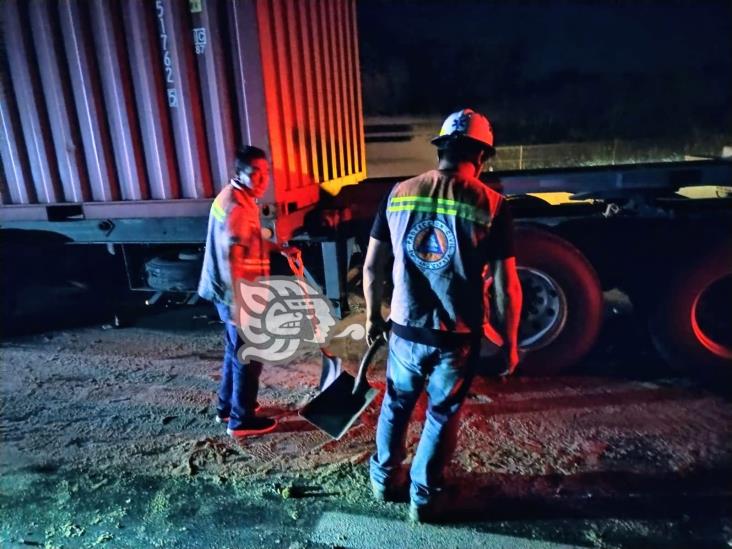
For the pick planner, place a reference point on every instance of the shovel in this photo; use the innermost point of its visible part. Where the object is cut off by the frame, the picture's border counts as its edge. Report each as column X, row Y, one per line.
column 331, row 364
column 336, row 407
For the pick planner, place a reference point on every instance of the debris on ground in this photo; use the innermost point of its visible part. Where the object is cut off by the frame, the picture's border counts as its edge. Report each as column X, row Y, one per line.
column 123, row 416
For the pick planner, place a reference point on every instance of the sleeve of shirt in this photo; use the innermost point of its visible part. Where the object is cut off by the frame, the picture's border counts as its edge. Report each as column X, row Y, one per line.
column 238, row 230
column 500, row 240
column 380, row 229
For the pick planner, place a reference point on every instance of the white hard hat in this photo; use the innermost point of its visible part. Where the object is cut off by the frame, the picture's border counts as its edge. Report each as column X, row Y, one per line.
column 466, row 124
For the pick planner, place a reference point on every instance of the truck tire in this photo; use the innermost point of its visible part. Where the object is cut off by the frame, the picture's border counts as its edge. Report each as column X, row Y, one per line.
column 562, row 309
column 174, row 274
column 691, row 325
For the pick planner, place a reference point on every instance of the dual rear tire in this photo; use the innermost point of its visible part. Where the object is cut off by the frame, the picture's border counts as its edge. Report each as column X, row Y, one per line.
column 689, row 318
column 562, row 302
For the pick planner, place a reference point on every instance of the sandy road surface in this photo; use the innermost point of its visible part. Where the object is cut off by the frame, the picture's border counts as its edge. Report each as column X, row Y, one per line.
column 108, row 440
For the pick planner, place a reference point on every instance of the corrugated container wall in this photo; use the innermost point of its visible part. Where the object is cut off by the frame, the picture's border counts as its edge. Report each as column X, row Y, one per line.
column 146, row 100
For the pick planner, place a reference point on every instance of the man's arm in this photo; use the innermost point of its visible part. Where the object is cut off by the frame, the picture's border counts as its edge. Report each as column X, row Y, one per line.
column 374, row 275
column 239, row 244
column 508, row 296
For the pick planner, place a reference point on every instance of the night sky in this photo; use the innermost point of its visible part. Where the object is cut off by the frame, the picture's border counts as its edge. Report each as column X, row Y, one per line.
column 553, row 70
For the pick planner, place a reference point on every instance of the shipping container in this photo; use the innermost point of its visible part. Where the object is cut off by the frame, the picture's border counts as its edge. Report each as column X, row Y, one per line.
column 121, row 118
column 132, row 109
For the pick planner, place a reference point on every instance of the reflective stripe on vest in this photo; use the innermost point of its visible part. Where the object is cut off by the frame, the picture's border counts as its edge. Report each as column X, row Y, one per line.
column 218, row 212
column 443, row 206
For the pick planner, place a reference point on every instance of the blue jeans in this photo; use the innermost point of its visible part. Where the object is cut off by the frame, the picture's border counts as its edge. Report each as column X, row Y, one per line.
column 239, row 382
column 448, row 374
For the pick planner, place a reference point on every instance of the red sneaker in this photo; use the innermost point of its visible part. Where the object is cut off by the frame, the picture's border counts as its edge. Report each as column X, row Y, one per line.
column 252, row 426
column 222, row 417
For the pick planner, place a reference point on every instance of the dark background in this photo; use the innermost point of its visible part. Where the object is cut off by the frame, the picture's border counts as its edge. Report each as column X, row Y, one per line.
column 559, row 70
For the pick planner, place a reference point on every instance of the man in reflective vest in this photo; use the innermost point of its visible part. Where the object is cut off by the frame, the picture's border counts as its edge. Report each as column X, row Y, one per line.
column 236, row 250
column 444, row 228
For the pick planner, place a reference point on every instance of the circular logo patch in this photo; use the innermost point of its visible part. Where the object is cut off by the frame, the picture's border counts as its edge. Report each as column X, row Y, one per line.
column 430, row 244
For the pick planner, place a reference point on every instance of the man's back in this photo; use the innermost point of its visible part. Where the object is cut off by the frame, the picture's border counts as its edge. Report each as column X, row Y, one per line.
column 440, row 225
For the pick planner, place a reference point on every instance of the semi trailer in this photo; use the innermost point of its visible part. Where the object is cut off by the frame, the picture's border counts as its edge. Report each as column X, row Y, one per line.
column 120, row 121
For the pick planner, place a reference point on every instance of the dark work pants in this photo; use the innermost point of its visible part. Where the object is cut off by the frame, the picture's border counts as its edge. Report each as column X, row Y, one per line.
column 239, row 382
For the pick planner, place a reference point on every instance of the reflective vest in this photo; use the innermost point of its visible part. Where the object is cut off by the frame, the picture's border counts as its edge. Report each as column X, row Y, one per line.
column 235, row 248
column 439, row 224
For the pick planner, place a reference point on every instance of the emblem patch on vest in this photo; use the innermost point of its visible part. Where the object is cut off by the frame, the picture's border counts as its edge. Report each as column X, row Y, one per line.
column 430, row 244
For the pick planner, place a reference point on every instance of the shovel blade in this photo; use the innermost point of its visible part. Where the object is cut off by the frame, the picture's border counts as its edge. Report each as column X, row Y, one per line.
column 336, row 408
column 332, row 368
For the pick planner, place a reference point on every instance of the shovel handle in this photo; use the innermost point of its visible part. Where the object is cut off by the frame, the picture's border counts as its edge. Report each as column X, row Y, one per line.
column 294, row 259
column 360, row 382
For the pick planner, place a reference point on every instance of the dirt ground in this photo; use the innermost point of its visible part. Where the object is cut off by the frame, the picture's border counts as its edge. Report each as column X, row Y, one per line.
column 108, row 440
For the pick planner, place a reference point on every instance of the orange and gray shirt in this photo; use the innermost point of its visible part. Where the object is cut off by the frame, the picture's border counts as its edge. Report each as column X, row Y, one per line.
column 443, row 229
column 235, row 249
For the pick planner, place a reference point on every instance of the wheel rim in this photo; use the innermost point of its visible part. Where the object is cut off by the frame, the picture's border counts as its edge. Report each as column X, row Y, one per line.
column 711, row 321
column 544, row 310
